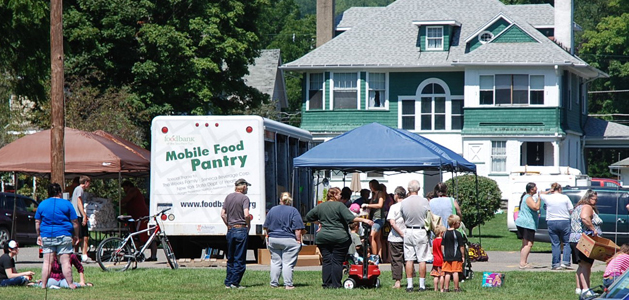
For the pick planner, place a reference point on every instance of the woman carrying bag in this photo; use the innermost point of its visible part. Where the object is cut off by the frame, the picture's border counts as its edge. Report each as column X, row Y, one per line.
column 584, row 220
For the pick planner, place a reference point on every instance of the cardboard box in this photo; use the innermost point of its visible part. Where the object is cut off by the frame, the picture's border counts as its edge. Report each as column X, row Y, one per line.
column 597, row 247
column 308, row 256
column 264, row 257
column 493, row 279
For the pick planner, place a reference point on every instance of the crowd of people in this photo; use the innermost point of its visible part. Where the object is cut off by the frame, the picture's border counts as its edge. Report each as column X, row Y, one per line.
column 566, row 223
column 337, row 220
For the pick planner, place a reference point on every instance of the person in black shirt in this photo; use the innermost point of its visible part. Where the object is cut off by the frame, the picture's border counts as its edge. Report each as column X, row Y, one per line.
column 452, row 248
column 8, row 275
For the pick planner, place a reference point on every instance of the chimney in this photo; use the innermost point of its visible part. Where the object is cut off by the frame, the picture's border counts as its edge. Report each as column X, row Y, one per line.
column 564, row 24
column 325, row 21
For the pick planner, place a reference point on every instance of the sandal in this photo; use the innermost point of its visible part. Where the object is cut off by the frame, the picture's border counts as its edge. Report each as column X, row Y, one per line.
column 527, row 266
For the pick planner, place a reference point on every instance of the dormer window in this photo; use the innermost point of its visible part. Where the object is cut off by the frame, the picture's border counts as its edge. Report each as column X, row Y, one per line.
column 434, row 38
column 485, row 37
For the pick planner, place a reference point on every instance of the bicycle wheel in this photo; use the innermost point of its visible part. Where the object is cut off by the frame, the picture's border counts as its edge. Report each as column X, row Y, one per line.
column 113, row 254
column 168, row 251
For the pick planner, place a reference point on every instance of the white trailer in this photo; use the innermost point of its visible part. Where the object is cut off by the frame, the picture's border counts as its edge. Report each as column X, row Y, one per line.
column 543, row 177
column 195, row 161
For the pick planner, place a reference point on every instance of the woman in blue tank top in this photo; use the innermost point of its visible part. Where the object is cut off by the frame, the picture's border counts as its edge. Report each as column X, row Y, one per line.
column 528, row 221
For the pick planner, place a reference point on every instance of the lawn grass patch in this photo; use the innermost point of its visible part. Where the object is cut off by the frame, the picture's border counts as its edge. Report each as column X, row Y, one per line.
column 207, row 283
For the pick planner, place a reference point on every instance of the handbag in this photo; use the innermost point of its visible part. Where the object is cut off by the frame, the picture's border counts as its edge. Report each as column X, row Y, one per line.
column 432, row 221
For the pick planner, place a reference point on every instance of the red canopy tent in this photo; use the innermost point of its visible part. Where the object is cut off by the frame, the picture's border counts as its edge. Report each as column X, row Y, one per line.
column 97, row 154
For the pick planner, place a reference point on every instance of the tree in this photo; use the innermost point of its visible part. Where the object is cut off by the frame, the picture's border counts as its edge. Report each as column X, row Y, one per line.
column 475, row 210
column 25, row 47
column 176, row 57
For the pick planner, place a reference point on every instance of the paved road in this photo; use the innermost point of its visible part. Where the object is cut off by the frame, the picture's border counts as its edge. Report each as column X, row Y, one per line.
column 499, row 261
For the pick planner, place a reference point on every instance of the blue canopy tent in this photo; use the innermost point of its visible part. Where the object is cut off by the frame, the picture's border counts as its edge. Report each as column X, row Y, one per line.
column 375, row 147
column 378, row 147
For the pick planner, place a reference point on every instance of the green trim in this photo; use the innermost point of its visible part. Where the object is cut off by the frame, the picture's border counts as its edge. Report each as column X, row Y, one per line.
column 498, row 174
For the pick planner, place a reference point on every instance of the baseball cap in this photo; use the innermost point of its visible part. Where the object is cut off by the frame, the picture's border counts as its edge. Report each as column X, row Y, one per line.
column 242, row 181
column 13, row 244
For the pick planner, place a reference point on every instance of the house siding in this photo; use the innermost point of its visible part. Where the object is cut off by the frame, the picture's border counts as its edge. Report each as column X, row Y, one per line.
column 514, row 34
column 405, row 84
column 344, row 120
column 512, row 121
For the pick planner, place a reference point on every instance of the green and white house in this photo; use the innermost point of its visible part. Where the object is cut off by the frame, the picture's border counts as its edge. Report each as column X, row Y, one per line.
column 496, row 83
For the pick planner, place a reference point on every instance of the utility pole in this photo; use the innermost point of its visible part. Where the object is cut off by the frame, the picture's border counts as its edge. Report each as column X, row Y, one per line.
column 57, row 132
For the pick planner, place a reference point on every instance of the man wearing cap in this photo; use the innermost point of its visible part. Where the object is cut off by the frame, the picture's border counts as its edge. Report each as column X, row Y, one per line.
column 8, row 275
column 235, row 215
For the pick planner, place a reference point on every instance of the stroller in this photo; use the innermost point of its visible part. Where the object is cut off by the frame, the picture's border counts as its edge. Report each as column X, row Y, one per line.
column 363, row 274
column 467, row 273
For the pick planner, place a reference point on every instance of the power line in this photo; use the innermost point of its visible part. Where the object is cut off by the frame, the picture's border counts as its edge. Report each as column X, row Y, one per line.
column 609, row 91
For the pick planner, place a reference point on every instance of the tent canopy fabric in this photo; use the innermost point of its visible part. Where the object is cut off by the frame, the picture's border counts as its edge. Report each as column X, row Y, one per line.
column 375, row 147
column 96, row 154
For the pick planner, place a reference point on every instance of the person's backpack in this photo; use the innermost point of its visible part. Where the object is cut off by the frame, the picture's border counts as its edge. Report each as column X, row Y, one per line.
column 477, row 253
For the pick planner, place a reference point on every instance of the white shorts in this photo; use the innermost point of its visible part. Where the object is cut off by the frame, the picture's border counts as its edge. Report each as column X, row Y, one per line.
column 416, row 245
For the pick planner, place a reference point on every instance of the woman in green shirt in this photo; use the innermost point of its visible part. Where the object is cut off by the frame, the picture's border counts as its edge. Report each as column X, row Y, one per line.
column 333, row 239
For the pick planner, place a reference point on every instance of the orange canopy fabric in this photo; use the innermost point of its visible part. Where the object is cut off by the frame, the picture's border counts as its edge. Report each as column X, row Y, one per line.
column 96, row 154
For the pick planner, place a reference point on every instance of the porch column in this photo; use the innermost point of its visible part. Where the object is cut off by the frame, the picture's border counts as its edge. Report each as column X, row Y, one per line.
column 555, row 154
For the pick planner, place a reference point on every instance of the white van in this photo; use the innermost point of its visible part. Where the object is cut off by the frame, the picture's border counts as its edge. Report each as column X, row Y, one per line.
column 543, row 177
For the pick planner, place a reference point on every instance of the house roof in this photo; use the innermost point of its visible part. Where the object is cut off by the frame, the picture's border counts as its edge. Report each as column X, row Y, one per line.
column 600, row 133
column 266, row 76
column 388, row 38
column 538, row 15
column 353, row 16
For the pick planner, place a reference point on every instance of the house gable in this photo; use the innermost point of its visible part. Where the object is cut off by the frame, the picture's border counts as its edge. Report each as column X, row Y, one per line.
column 514, row 34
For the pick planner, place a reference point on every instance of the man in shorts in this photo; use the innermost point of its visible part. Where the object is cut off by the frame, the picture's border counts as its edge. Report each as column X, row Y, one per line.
column 78, row 201
column 416, row 242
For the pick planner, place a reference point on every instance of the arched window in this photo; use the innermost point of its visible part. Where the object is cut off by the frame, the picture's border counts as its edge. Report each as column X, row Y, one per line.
column 432, row 108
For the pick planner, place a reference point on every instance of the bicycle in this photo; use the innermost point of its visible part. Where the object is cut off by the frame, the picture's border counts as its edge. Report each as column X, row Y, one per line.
column 117, row 254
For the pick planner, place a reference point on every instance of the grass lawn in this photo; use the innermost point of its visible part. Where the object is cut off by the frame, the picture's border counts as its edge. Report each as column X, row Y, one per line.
column 496, row 237
column 208, row 284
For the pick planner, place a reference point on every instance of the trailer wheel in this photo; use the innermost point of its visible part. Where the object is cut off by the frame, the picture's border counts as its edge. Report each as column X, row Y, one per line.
column 349, row 284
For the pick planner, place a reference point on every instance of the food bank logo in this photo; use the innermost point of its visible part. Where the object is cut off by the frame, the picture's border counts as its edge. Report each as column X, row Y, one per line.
column 179, row 139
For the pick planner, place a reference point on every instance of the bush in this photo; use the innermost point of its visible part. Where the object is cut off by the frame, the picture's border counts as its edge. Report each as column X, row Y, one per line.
column 475, row 210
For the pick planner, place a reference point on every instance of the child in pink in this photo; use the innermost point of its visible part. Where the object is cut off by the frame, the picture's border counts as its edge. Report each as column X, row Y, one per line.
column 616, row 266
column 437, row 261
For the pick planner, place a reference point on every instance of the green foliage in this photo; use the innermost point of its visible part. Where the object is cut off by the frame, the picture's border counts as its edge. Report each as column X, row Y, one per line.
column 476, row 209
column 25, row 46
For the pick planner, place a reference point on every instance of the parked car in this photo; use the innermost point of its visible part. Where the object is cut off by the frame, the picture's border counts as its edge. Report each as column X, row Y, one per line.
column 612, row 208
column 606, row 182
column 24, row 218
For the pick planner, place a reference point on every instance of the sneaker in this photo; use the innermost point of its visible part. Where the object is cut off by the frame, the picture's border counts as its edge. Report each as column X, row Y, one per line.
column 289, row 287
column 240, row 287
column 54, row 287
column 557, row 268
column 409, row 289
column 578, row 291
column 421, row 289
column 566, row 267
column 88, row 261
column 587, row 293
column 151, row 259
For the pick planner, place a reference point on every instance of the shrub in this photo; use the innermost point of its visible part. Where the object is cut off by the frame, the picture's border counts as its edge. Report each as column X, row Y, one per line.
column 475, row 210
